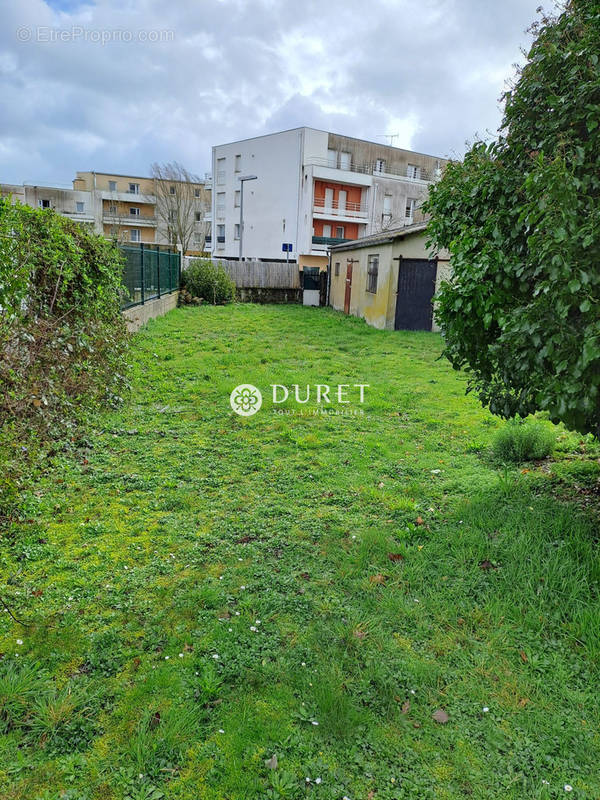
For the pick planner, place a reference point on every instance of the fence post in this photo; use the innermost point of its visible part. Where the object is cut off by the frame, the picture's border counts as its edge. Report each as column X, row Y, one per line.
column 158, row 269
column 143, row 277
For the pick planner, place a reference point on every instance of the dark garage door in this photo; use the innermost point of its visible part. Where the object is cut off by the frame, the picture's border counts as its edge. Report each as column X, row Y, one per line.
column 416, row 287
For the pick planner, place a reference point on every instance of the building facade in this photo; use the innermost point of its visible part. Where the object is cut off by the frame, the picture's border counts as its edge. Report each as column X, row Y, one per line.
column 120, row 207
column 389, row 278
column 313, row 189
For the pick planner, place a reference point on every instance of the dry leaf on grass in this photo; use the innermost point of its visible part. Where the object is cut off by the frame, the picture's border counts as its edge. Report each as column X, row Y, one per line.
column 271, row 763
column 440, row 716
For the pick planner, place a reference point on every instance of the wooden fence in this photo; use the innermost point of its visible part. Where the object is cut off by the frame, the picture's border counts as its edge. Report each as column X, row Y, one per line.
column 261, row 274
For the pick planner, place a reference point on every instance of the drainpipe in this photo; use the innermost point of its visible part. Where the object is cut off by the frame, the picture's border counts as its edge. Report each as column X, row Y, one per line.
column 328, row 277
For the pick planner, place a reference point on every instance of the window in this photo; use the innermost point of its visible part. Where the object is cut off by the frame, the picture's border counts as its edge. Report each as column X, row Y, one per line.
column 220, row 171
column 135, row 235
column 238, row 163
column 112, row 209
column 44, row 203
column 79, row 207
column 221, row 234
column 332, row 158
column 327, row 231
column 380, row 165
column 134, row 211
column 387, row 207
column 342, row 196
column 345, row 160
column 171, row 190
column 236, row 231
column 413, row 171
column 337, row 269
column 339, row 232
column 171, row 216
column 410, row 207
column 236, row 200
column 221, row 204
column 372, row 271
column 112, row 186
column 196, row 192
column 198, row 216
column 198, row 238
column 134, row 188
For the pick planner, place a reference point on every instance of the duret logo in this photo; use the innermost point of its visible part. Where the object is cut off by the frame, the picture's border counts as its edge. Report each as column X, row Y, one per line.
column 246, row 399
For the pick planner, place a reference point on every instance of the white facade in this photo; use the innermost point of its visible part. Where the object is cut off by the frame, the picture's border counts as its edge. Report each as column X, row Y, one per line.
column 303, row 179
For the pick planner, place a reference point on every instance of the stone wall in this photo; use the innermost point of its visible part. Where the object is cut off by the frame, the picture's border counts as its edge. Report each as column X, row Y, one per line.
column 138, row 315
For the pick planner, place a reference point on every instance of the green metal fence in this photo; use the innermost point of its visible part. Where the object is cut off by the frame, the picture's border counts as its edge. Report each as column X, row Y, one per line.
column 151, row 270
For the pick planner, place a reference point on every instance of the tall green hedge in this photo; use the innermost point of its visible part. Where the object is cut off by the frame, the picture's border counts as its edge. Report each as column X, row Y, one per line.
column 521, row 217
column 62, row 335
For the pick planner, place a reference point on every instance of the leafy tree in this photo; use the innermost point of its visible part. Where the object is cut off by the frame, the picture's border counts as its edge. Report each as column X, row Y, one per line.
column 521, row 217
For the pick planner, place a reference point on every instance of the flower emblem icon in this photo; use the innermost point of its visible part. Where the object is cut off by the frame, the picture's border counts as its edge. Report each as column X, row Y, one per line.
column 245, row 399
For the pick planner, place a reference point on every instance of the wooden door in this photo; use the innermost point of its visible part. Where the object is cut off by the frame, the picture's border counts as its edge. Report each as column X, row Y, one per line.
column 348, row 289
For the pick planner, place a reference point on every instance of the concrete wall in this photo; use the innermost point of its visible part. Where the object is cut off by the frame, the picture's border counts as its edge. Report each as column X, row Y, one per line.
column 271, row 203
column 138, row 315
column 372, row 306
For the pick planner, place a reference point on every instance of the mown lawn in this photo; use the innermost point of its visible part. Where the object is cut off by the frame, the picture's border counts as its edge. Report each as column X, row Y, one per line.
column 204, row 591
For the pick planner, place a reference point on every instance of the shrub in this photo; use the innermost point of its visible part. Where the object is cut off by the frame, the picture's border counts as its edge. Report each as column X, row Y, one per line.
column 520, row 217
column 520, row 440
column 203, row 278
column 62, row 335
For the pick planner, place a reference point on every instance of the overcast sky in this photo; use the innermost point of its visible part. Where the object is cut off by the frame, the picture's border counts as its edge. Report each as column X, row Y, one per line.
column 430, row 71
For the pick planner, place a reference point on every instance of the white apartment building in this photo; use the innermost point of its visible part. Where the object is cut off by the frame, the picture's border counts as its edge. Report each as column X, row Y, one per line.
column 312, row 189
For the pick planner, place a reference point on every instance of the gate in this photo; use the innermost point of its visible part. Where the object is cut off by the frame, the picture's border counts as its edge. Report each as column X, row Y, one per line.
column 416, row 287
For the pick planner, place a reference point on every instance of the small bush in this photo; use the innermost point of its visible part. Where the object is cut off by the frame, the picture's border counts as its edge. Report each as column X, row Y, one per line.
column 520, row 440
column 209, row 281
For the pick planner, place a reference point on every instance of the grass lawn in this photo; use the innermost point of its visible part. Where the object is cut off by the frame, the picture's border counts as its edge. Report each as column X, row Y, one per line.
column 205, row 591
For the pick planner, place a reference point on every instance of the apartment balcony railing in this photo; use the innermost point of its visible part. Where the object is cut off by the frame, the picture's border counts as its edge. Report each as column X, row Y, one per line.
column 333, row 208
column 374, row 169
column 127, row 219
column 221, row 239
column 328, row 240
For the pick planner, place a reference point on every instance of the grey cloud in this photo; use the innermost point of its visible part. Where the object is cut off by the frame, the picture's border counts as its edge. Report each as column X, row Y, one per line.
column 237, row 68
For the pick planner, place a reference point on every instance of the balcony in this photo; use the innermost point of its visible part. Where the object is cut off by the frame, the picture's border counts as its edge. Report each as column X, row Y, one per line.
column 349, row 211
column 128, row 197
column 324, row 165
column 321, row 243
column 126, row 219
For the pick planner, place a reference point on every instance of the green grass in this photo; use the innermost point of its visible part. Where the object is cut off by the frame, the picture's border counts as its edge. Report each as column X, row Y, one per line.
column 144, row 563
